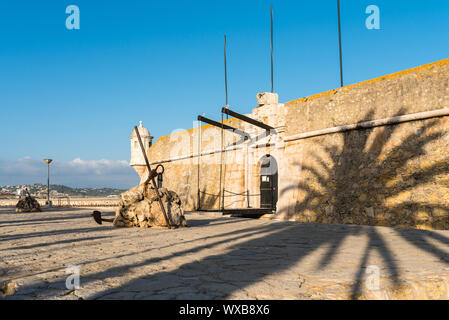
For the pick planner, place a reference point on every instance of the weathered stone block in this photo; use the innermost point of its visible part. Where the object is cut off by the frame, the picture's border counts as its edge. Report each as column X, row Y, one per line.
column 267, row 98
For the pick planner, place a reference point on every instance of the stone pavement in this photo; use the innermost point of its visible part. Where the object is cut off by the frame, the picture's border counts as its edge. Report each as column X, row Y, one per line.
column 218, row 258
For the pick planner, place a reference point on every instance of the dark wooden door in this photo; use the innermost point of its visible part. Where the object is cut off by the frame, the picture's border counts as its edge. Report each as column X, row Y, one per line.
column 266, row 191
column 268, row 182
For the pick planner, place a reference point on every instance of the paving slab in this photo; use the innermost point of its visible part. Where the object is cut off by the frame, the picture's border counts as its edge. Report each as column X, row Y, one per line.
column 217, row 257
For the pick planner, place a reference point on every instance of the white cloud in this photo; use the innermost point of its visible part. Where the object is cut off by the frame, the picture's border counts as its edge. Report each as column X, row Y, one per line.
column 75, row 173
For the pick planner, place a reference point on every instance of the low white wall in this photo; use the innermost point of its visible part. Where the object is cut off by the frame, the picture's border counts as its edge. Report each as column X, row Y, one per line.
column 69, row 202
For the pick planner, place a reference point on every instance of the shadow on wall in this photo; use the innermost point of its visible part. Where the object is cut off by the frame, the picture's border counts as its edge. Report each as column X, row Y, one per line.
column 384, row 176
column 209, row 201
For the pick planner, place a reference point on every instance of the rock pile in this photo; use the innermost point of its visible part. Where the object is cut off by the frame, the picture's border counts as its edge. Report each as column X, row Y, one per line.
column 7, row 288
column 139, row 207
column 28, row 204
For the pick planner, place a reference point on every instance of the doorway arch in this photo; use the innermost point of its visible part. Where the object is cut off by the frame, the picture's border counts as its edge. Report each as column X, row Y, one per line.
column 268, row 182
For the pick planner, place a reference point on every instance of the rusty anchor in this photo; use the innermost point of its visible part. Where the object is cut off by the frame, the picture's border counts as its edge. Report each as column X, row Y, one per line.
column 152, row 174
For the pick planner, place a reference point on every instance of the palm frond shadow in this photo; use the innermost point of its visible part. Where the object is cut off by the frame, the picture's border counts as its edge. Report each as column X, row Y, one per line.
column 357, row 161
column 372, row 173
column 360, row 159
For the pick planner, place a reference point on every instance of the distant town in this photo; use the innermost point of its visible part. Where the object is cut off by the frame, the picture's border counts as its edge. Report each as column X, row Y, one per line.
column 56, row 191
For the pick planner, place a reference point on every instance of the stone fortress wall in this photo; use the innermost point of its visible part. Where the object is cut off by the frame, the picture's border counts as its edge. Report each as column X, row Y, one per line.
column 389, row 175
column 394, row 175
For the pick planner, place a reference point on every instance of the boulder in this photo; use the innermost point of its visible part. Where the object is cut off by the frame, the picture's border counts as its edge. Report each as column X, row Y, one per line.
column 133, row 195
column 7, row 288
column 139, row 207
column 28, row 204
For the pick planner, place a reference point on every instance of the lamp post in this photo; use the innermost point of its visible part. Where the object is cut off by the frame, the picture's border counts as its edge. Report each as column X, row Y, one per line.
column 48, row 161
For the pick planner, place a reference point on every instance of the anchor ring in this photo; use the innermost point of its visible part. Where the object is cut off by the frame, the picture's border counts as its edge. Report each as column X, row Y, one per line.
column 160, row 166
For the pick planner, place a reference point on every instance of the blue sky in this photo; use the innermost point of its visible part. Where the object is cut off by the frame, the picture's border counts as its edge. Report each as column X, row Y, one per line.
column 76, row 94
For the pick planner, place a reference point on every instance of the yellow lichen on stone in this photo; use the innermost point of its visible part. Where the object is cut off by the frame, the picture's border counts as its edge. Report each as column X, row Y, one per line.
column 424, row 227
column 426, row 164
column 422, row 216
column 362, row 197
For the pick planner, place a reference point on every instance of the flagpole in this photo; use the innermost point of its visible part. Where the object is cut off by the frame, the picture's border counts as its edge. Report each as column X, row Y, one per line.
column 339, row 42
column 226, row 72
column 272, row 87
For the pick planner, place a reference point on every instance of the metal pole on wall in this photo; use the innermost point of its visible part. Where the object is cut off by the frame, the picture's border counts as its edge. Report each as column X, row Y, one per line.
column 339, row 42
column 221, row 194
column 272, row 87
column 221, row 198
column 224, row 165
column 199, row 163
column 225, row 71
